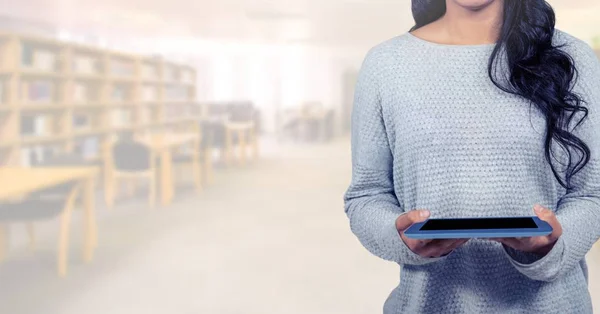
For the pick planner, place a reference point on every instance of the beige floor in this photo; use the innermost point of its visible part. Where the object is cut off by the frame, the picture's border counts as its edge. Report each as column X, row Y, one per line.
column 270, row 238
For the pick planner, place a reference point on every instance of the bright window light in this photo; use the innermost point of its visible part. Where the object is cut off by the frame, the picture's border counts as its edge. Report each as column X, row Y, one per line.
column 223, row 78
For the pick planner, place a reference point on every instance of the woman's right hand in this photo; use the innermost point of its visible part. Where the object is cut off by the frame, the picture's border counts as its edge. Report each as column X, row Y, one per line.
column 425, row 248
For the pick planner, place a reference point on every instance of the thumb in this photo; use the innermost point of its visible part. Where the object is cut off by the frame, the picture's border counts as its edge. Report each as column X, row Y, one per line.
column 542, row 213
column 408, row 219
column 549, row 216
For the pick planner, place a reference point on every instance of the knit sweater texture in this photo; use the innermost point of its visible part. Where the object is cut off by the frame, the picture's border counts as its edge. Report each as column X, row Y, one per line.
column 431, row 131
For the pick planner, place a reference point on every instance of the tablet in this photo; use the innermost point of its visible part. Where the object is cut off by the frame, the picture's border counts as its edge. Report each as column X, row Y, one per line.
column 467, row 228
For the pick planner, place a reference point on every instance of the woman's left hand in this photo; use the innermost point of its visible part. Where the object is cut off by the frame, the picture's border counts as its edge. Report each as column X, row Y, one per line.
column 539, row 245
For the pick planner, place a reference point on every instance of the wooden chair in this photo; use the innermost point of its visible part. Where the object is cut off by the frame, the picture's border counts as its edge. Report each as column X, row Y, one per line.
column 41, row 206
column 200, row 156
column 244, row 136
column 191, row 156
column 128, row 160
column 241, row 130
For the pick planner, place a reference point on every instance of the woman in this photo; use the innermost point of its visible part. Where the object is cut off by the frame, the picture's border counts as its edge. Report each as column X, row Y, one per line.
column 482, row 110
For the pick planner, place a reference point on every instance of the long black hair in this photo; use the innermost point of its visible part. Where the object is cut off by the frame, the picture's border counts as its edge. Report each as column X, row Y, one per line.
column 539, row 71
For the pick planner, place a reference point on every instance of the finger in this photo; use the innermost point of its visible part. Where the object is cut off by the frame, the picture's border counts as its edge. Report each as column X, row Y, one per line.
column 454, row 246
column 423, row 243
column 449, row 243
column 512, row 242
column 408, row 219
column 414, row 245
column 432, row 251
column 449, row 246
column 548, row 216
column 544, row 214
column 439, row 248
column 526, row 241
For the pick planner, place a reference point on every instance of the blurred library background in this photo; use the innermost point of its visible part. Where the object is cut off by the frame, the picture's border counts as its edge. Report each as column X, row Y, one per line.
column 191, row 156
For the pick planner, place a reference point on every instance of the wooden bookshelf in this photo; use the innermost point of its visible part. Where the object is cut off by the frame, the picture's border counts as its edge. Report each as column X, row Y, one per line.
column 58, row 97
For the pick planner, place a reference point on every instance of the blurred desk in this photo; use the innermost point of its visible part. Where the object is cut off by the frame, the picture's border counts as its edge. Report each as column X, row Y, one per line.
column 318, row 118
column 163, row 145
column 16, row 182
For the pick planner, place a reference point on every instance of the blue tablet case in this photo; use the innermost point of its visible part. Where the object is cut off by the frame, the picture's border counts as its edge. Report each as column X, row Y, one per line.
column 543, row 229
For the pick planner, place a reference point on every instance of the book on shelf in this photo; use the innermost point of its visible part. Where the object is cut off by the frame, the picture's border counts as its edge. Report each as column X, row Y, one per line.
column 88, row 147
column 177, row 111
column 85, row 65
column 49, row 151
column 121, row 118
column 81, row 122
column 187, row 77
column 27, row 55
column 35, row 125
column 28, row 157
column 28, row 126
column 170, row 74
column 79, row 92
column 145, row 116
column 35, row 155
column 121, row 68
column 37, row 91
column 176, row 93
column 149, row 72
column 149, row 93
column 41, row 126
column 37, row 58
column 44, row 60
column 119, row 93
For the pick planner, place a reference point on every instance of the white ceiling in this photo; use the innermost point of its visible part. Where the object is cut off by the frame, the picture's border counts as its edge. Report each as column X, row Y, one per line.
column 323, row 22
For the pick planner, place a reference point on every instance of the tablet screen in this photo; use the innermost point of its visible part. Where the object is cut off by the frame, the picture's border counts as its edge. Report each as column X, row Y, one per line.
column 474, row 223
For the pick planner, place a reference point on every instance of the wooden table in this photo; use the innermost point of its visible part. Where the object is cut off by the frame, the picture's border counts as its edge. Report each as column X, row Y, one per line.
column 163, row 145
column 16, row 182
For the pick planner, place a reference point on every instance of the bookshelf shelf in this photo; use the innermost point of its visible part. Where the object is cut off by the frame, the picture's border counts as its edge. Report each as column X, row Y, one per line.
column 42, row 107
column 87, row 105
column 42, row 41
column 60, row 97
column 150, row 103
column 178, row 120
column 83, row 133
column 28, row 72
column 32, row 139
column 81, row 48
column 154, row 82
column 177, row 102
column 86, row 77
column 124, row 128
column 122, row 104
column 7, row 146
column 123, row 80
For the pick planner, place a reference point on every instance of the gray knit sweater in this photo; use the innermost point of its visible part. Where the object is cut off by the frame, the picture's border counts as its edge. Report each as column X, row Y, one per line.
column 431, row 131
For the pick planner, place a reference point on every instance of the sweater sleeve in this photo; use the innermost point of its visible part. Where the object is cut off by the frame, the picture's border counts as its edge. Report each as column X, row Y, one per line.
column 578, row 211
column 370, row 202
